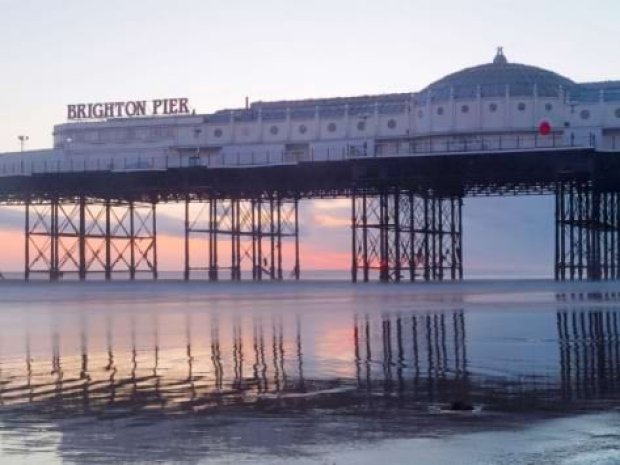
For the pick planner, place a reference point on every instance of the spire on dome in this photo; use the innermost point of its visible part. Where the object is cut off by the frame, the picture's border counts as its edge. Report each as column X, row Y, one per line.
column 500, row 58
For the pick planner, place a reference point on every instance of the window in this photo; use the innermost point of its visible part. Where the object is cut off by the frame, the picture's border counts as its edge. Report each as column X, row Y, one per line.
column 420, row 114
column 493, row 107
column 391, row 124
column 361, row 125
column 521, row 106
column 273, row 130
column 548, row 107
column 617, row 113
column 585, row 114
column 440, row 111
column 331, row 127
column 465, row 109
column 302, row 129
column 218, row 133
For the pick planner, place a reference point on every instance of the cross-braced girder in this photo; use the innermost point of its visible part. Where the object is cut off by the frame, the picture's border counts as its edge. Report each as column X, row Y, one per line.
column 244, row 236
column 587, row 232
column 84, row 236
column 399, row 234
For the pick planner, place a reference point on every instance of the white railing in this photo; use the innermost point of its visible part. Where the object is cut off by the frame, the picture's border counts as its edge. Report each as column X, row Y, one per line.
column 23, row 165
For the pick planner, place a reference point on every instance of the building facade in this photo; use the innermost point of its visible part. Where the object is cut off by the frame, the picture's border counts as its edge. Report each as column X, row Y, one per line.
column 495, row 106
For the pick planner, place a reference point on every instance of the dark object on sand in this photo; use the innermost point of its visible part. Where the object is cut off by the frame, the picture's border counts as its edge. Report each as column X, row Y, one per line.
column 460, row 406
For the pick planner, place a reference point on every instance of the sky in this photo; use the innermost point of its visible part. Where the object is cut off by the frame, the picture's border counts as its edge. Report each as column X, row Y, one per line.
column 216, row 53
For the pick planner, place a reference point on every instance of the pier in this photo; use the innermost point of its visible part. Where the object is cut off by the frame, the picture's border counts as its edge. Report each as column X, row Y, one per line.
column 407, row 162
column 405, row 213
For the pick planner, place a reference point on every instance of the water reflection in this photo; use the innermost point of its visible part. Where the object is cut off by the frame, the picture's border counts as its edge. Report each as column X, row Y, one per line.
column 589, row 353
column 397, row 369
column 424, row 354
column 421, row 357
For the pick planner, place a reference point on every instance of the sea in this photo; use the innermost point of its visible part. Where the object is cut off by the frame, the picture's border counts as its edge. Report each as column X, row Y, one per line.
column 315, row 372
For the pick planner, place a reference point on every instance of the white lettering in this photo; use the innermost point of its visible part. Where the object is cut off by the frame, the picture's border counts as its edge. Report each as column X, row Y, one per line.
column 131, row 108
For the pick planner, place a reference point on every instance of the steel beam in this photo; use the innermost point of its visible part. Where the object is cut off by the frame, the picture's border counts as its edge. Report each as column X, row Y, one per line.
column 85, row 236
column 254, row 229
column 399, row 232
column 587, row 232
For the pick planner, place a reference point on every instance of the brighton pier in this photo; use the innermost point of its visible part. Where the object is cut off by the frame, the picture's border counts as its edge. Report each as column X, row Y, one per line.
column 132, row 108
column 406, row 162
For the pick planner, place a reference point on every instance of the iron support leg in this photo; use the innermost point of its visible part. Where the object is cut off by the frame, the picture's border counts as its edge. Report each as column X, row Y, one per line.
column 396, row 228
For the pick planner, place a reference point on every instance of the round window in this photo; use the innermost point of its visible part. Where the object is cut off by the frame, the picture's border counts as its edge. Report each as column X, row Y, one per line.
column 548, row 107
column 465, row 108
column 391, row 124
column 521, row 106
column 303, row 129
column 331, row 127
column 493, row 107
column 273, row 130
column 585, row 114
column 361, row 125
column 440, row 111
column 218, row 133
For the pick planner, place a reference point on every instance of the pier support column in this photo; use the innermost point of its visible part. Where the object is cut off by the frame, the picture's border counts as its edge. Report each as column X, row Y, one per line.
column 262, row 235
column 587, row 232
column 399, row 235
column 85, row 236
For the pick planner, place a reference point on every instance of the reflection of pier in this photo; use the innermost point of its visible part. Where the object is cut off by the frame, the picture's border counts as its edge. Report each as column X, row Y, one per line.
column 589, row 353
column 223, row 372
column 226, row 379
column 416, row 358
column 422, row 353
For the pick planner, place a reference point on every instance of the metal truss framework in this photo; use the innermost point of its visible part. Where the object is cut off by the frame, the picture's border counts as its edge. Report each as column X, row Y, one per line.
column 400, row 233
column 587, row 232
column 256, row 230
column 83, row 236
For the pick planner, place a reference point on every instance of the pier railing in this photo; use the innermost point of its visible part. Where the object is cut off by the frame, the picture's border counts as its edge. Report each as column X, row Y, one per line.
column 73, row 159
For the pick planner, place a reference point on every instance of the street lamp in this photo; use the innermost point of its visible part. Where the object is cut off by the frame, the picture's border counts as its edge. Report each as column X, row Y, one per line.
column 22, row 141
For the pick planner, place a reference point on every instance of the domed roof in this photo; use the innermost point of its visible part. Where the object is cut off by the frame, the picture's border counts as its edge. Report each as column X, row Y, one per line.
column 493, row 79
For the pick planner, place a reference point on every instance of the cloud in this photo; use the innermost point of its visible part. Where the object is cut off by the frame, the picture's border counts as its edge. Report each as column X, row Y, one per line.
column 332, row 204
column 331, row 221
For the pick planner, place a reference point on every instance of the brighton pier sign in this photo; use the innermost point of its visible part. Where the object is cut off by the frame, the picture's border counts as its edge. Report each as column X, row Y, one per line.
column 129, row 109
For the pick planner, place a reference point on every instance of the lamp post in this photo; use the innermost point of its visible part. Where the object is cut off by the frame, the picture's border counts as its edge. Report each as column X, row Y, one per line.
column 22, row 141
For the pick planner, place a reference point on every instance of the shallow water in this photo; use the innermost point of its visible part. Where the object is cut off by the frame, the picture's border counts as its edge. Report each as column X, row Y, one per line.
column 314, row 372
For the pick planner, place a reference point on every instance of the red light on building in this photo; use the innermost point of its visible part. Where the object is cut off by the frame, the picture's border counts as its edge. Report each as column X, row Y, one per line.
column 544, row 128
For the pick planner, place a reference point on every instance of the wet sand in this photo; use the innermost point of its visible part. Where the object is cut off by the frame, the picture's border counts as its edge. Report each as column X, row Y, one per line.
column 311, row 372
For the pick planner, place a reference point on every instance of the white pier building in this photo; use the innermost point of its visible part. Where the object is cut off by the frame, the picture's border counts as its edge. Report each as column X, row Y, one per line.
column 492, row 107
